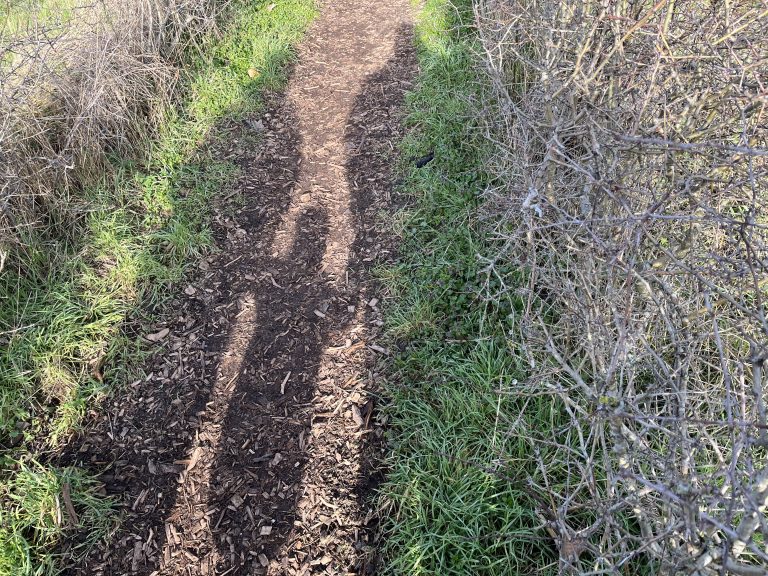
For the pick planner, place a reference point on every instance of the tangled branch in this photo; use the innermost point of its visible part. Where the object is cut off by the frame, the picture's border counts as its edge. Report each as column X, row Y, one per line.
column 632, row 172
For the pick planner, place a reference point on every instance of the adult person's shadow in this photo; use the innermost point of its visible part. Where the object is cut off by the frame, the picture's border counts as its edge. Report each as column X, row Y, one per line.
column 164, row 446
column 211, row 459
column 264, row 467
column 235, row 503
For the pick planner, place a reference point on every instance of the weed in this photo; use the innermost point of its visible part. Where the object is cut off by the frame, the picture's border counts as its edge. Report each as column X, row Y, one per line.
column 43, row 503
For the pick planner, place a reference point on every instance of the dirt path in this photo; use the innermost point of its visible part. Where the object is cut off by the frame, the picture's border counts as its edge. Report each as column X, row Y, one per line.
column 251, row 446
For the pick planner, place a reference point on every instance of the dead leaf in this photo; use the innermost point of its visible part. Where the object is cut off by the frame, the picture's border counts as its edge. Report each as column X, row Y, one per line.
column 157, row 336
column 138, row 556
column 253, row 73
column 367, row 411
column 356, row 416
column 66, row 495
column 195, row 457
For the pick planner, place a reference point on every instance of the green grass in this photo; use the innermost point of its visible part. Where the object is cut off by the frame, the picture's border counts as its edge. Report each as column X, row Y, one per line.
column 31, row 523
column 69, row 317
column 456, row 486
column 16, row 16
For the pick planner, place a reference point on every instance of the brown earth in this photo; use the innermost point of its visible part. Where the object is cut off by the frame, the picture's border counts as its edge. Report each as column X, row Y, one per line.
column 253, row 444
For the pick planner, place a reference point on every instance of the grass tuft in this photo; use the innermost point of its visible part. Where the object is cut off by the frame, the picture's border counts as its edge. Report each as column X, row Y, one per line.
column 43, row 503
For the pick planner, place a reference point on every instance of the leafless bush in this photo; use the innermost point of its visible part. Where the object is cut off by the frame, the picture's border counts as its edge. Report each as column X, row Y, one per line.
column 632, row 196
column 79, row 82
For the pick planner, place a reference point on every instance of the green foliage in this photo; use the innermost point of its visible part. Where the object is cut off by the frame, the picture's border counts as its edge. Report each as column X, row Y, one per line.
column 457, row 479
column 63, row 342
column 38, row 513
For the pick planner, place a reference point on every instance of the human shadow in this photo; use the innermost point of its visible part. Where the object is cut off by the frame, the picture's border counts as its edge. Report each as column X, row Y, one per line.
column 374, row 129
column 154, row 445
column 208, row 455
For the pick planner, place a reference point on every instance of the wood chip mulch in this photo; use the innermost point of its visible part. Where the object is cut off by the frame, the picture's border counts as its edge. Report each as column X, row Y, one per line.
column 254, row 442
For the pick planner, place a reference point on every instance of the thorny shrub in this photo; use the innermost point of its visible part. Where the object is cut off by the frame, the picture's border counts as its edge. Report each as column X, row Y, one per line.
column 631, row 198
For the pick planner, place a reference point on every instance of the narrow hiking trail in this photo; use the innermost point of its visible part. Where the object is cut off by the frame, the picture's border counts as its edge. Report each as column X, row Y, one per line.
column 252, row 445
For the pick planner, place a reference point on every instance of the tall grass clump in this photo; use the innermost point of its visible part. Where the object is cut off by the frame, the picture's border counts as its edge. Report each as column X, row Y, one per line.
column 109, row 116
column 630, row 199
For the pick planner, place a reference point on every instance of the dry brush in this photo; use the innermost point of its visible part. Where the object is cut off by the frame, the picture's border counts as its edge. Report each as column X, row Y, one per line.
column 631, row 196
column 80, row 83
